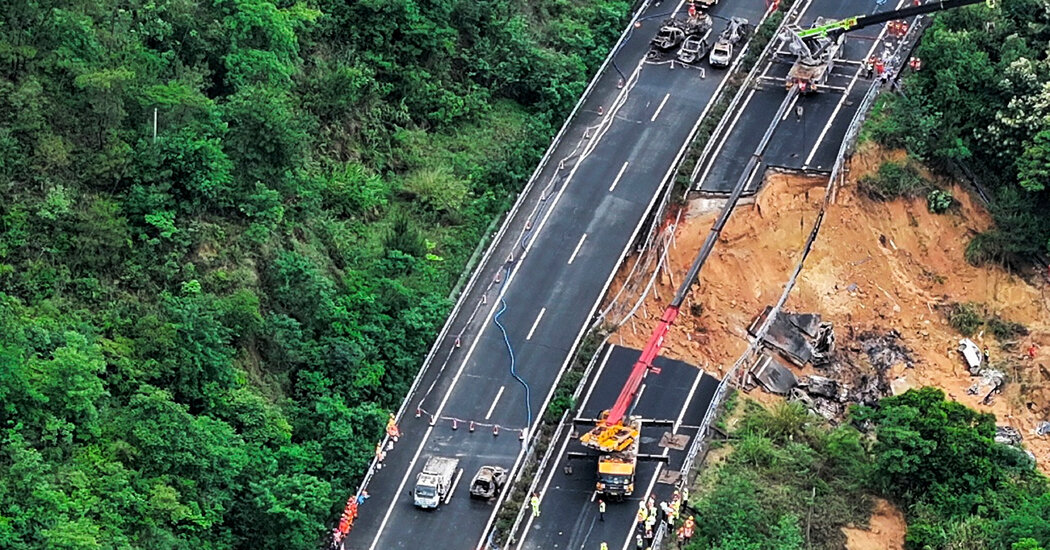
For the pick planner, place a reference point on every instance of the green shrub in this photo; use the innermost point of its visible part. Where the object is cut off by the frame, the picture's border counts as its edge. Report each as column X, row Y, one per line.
column 1005, row 330
column 965, row 317
column 939, row 201
column 894, row 180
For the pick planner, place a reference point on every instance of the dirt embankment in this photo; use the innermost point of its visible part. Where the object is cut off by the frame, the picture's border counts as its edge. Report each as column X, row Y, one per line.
column 876, row 266
column 885, row 531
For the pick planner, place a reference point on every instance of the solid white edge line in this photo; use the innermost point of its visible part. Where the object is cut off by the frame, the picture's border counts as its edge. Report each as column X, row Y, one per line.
column 536, row 323
column 485, row 324
column 577, row 249
column 875, row 44
column 666, row 451
column 568, row 438
column 725, row 136
column 494, row 401
column 618, row 176
column 660, row 108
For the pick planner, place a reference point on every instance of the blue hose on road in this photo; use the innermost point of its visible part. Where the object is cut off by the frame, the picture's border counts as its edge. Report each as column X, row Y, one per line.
column 510, row 351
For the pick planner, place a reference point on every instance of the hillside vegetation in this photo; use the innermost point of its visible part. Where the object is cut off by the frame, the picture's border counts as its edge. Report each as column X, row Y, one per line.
column 202, row 330
column 791, row 482
column 981, row 105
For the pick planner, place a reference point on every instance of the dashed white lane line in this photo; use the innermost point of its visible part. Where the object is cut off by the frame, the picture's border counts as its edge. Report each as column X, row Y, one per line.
column 576, row 250
column 536, row 323
column 494, row 401
column 660, row 108
column 618, row 176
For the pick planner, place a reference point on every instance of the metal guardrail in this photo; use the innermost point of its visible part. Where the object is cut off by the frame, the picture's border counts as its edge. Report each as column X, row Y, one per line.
column 845, row 150
column 766, row 54
column 553, row 442
column 496, row 240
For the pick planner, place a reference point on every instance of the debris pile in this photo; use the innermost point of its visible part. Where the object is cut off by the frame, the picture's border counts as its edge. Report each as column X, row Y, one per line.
column 990, row 383
column 799, row 337
column 885, row 351
column 1008, row 435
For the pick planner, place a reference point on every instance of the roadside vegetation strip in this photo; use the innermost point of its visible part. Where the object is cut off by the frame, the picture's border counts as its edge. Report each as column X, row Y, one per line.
column 759, row 48
column 496, row 240
column 747, row 357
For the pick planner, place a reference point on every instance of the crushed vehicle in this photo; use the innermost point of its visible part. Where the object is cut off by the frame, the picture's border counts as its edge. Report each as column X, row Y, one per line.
column 693, row 49
column 722, row 51
column 674, row 31
column 488, row 482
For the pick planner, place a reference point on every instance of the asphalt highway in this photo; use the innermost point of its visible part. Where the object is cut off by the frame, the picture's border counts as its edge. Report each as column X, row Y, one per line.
column 547, row 276
column 569, row 516
column 807, row 142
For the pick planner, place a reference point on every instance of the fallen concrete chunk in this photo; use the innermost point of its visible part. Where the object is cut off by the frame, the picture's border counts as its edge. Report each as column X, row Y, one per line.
column 1043, row 428
column 823, row 387
column 773, row 376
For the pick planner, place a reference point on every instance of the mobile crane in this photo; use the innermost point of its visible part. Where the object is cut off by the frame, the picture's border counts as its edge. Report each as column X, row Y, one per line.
column 817, row 46
column 616, row 433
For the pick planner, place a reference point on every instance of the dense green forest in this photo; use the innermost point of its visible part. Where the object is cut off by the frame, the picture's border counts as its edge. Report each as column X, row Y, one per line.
column 791, row 482
column 202, row 330
column 980, row 105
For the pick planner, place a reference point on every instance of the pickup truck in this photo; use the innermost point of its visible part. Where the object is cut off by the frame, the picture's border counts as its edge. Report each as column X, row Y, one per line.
column 434, row 484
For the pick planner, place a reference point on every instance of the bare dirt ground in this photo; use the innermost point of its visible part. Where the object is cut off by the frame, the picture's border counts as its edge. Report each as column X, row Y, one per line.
column 876, row 266
column 885, row 530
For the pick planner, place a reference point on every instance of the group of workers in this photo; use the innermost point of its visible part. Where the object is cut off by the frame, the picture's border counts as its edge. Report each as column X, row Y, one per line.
column 648, row 516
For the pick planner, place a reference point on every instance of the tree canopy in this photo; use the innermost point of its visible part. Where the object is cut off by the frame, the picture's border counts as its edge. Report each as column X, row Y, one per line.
column 228, row 234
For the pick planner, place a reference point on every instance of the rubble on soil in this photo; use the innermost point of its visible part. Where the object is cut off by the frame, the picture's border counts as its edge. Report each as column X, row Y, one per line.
column 1008, row 435
column 990, row 382
column 875, row 266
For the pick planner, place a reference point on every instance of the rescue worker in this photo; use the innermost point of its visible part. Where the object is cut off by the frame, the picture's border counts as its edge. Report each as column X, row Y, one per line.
column 535, row 502
column 1031, row 351
column 798, row 113
column 391, row 428
column 690, row 525
column 601, row 510
column 650, row 524
column 643, row 514
column 987, row 354
column 604, row 546
column 380, row 455
column 639, row 542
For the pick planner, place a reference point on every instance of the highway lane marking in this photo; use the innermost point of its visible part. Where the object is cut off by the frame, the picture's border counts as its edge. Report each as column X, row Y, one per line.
column 537, row 321
column 579, row 244
column 452, row 491
column 494, row 401
column 677, row 423
column 638, row 396
column 579, row 336
column 454, row 383
column 440, row 408
column 790, row 109
column 618, row 176
column 845, row 96
column 725, row 136
column 660, row 108
column 568, row 438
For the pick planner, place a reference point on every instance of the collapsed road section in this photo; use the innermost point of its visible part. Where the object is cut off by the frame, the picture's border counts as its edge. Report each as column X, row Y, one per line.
column 516, row 326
